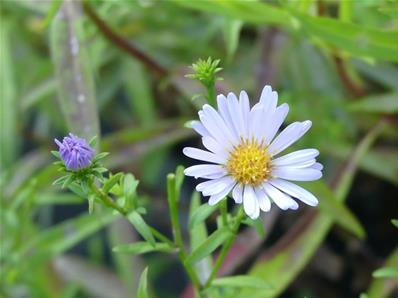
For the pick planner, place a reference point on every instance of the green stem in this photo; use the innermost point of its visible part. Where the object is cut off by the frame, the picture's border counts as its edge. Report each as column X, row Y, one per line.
column 211, row 94
column 107, row 200
column 161, row 237
column 223, row 210
column 227, row 245
column 175, row 223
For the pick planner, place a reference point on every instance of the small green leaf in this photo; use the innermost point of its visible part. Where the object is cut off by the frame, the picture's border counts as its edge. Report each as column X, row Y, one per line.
column 93, row 141
column 56, row 154
column 139, row 224
column 200, row 214
column 386, row 272
column 91, row 202
column 142, row 247
column 395, row 222
column 109, row 183
column 142, row 291
column 61, row 180
column 77, row 189
column 129, row 186
column 241, row 281
column 67, row 181
column 209, row 245
column 100, row 156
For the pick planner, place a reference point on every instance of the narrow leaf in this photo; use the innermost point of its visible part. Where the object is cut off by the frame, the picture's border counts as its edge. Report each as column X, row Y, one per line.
column 142, row 247
column 241, row 281
column 200, row 215
column 209, row 245
column 386, row 272
column 139, row 224
column 142, row 291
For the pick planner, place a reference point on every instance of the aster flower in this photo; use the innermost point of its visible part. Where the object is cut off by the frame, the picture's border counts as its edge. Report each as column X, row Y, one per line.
column 242, row 158
column 75, row 152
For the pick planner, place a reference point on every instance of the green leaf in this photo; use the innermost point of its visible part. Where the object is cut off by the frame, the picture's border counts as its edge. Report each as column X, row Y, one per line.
column 231, row 32
column 109, row 183
column 59, row 238
column 385, row 103
column 209, row 245
column 55, row 153
column 198, row 234
column 55, row 5
column 61, row 180
column 142, row 247
column 91, row 204
column 200, row 214
column 356, row 39
column 142, row 291
column 93, row 141
column 383, row 287
column 129, row 186
column 139, row 224
column 386, row 272
column 395, row 222
column 100, row 156
column 241, row 281
column 335, row 209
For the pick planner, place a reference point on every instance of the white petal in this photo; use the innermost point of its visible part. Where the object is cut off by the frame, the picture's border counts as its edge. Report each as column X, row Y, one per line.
column 199, row 128
column 288, row 136
column 274, row 122
column 215, row 147
column 296, row 157
column 245, row 108
column 215, row 198
column 297, row 174
column 237, row 194
column 216, row 126
column 236, row 113
column 222, row 104
column 295, row 191
column 263, row 200
column 203, row 155
column 206, row 171
column 256, row 122
column 282, row 200
column 317, row 166
column 269, row 98
column 302, row 164
column 250, row 203
column 218, row 185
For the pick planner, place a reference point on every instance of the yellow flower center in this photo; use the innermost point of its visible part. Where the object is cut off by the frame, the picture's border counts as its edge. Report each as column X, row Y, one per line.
column 249, row 163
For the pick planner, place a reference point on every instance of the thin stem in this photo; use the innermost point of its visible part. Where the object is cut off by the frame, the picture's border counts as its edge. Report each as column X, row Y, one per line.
column 227, row 245
column 175, row 223
column 211, row 94
column 223, row 210
column 160, row 236
column 107, row 200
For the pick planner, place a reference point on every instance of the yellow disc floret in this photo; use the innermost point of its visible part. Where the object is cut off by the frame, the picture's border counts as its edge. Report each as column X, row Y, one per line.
column 249, row 163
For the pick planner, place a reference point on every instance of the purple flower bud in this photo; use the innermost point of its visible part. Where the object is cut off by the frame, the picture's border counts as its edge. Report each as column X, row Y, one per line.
column 75, row 152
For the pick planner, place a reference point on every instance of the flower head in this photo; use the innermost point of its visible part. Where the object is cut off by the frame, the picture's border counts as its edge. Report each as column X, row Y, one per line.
column 242, row 157
column 75, row 152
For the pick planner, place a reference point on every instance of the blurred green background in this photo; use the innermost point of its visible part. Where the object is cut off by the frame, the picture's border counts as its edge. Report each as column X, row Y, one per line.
column 116, row 69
